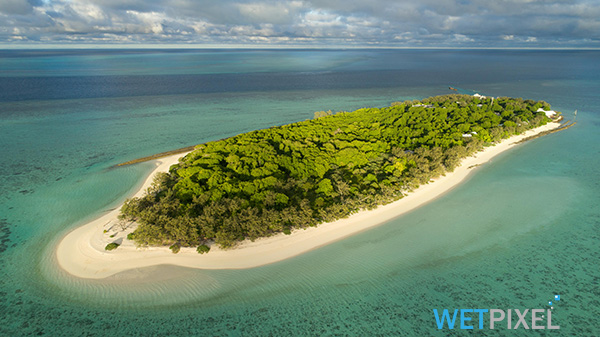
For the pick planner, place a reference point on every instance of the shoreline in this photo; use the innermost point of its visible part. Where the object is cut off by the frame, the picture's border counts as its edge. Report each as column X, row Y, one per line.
column 81, row 252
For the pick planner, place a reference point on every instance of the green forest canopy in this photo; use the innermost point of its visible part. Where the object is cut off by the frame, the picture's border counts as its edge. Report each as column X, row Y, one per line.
column 301, row 174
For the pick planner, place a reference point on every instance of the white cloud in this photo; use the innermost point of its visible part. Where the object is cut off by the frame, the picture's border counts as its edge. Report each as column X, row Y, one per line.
column 276, row 13
column 19, row 7
column 462, row 38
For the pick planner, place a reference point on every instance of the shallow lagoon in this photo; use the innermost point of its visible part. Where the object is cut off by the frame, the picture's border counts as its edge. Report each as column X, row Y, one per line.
column 519, row 231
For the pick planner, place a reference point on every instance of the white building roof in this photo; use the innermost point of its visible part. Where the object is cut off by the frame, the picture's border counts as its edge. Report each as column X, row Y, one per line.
column 549, row 114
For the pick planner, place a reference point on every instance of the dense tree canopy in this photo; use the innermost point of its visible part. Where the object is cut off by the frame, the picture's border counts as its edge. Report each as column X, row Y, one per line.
column 297, row 175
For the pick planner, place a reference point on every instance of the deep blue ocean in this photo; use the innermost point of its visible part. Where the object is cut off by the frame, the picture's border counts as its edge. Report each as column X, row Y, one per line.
column 522, row 229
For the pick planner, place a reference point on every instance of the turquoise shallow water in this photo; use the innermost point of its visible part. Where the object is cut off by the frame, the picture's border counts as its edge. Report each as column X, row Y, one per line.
column 520, row 230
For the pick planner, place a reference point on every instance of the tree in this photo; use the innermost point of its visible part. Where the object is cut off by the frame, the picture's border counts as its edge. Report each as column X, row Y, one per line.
column 111, row 246
column 203, row 249
column 175, row 248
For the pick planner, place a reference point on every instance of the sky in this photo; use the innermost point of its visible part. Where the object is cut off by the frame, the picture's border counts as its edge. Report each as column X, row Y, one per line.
column 303, row 23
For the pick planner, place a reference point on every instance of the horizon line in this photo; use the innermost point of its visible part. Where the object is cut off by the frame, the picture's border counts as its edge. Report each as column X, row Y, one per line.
column 274, row 47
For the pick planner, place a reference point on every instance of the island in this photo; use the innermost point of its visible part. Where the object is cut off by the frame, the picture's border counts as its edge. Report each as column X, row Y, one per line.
column 267, row 195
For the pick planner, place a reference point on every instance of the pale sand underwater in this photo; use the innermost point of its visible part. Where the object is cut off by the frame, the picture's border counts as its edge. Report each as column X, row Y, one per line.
column 82, row 254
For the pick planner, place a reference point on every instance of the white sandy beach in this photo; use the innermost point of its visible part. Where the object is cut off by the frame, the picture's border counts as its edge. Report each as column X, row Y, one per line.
column 81, row 252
